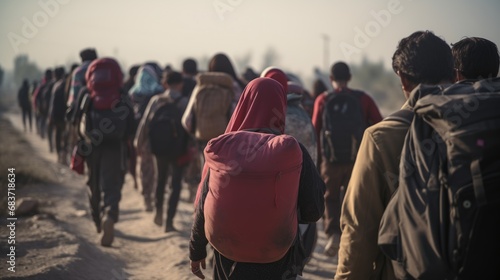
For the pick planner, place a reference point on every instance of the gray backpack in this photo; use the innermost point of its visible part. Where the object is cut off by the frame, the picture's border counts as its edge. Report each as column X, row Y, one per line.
column 299, row 125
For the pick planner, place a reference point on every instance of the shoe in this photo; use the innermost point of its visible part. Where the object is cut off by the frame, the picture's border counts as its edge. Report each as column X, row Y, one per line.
column 148, row 203
column 108, row 232
column 332, row 246
column 158, row 217
column 98, row 228
column 170, row 227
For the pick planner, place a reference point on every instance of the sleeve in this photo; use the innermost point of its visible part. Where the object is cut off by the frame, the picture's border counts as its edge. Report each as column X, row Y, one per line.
column 362, row 211
column 75, row 86
column 34, row 97
column 318, row 122
column 55, row 90
column 198, row 242
column 373, row 115
column 78, row 106
column 130, row 120
column 317, row 111
column 188, row 116
column 311, row 191
column 142, row 128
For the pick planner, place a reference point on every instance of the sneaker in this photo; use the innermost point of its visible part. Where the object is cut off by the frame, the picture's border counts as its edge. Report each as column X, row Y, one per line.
column 108, row 229
column 332, row 246
column 158, row 217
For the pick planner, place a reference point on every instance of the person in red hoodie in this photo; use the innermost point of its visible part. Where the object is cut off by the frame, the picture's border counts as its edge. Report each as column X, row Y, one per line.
column 260, row 112
column 339, row 128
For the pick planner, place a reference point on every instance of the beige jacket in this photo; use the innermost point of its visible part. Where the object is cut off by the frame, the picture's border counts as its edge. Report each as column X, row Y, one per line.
column 373, row 181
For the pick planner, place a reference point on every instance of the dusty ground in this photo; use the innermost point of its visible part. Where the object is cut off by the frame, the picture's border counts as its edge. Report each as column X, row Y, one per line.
column 60, row 241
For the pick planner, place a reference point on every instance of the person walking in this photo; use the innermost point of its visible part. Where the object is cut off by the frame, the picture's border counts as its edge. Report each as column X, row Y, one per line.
column 245, row 194
column 161, row 127
column 24, row 102
column 340, row 117
column 147, row 84
column 422, row 57
column 102, row 101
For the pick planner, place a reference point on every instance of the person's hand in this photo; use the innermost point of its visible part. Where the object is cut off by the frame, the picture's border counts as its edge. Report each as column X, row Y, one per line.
column 195, row 268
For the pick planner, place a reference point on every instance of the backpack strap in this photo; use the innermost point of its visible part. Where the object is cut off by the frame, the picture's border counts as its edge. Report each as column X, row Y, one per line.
column 403, row 115
column 264, row 130
column 176, row 100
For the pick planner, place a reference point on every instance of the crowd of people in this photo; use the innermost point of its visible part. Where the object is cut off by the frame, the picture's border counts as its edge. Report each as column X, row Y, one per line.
column 227, row 138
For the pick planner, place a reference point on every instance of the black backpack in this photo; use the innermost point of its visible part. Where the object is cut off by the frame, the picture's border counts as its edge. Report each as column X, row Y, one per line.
column 108, row 126
column 442, row 221
column 343, row 126
column 167, row 136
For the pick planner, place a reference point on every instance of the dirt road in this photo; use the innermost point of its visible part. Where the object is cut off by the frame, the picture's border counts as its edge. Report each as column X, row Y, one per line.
column 61, row 242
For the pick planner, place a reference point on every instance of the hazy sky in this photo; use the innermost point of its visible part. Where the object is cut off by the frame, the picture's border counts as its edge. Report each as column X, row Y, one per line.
column 52, row 32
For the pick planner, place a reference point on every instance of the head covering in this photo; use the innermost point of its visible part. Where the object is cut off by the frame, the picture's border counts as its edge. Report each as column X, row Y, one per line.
column 295, row 93
column 276, row 74
column 261, row 105
column 294, row 87
column 147, row 83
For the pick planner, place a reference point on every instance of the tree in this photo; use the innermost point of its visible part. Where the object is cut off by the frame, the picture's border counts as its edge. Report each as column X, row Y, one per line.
column 381, row 84
column 24, row 69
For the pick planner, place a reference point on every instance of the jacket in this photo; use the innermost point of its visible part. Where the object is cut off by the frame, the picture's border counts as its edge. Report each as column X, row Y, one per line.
column 373, row 181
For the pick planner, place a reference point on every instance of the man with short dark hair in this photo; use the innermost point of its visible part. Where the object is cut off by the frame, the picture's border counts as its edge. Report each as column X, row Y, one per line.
column 475, row 58
column 165, row 161
column 78, row 80
column 419, row 58
column 350, row 112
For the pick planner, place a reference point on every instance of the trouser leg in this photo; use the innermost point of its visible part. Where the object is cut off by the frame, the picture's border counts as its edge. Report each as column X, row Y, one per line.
column 173, row 200
column 162, row 169
column 112, row 178
column 336, row 177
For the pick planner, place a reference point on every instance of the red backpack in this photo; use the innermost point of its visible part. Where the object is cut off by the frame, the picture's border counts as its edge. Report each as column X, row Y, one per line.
column 251, row 206
column 104, row 81
column 103, row 121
